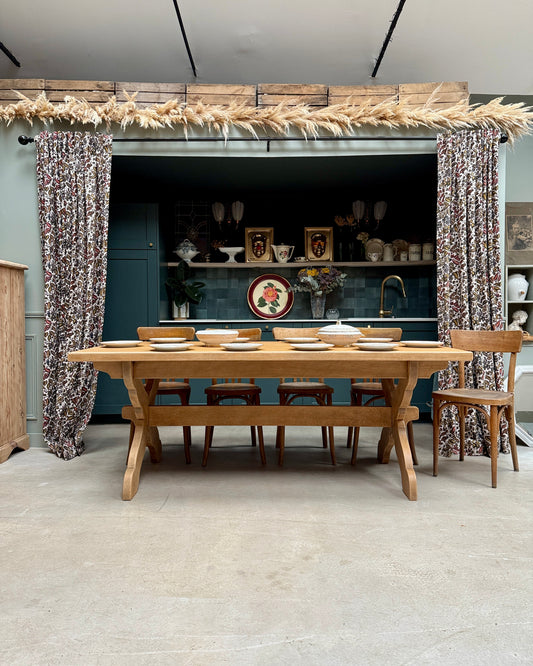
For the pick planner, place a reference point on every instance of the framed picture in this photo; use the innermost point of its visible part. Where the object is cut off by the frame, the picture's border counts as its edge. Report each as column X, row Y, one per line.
column 258, row 243
column 319, row 243
column 519, row 233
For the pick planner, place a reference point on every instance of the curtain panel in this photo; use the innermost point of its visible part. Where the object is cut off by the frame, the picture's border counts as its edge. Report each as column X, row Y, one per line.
column 73, row 178
column 469, row 278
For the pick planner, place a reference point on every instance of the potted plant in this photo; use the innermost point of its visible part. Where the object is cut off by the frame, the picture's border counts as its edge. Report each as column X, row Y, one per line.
column 182, row 290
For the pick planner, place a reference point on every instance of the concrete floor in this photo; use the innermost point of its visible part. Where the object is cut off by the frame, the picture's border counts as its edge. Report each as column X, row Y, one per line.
column 238, row 564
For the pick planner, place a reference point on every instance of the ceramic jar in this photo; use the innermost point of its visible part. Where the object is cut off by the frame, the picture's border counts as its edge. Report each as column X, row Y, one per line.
column 427, row 251
column 415, row 252
column 517, row 287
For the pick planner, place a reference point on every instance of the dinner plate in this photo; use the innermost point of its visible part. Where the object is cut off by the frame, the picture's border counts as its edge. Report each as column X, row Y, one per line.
column 270, row 296
column 422, row 343
column 169, row 340
column 171, row 346
column 302, row 340
column 121, row 343
column 241, row 346
column 311, row 346
column 365, row 340
column 375, row 346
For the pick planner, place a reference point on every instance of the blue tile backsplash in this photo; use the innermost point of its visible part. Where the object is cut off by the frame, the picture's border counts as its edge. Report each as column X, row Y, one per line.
column 226, row 291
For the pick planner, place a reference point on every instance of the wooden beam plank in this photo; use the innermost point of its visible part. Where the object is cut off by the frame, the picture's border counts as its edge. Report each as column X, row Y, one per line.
column 371, row 91
column 58, row 84
column 220, row 89
column 293, row 100
column 428, row 88
column 149, row 87
column 22, row 84
column 292, row 89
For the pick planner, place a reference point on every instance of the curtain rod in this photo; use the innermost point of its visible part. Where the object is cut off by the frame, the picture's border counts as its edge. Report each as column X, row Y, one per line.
column 25, row 140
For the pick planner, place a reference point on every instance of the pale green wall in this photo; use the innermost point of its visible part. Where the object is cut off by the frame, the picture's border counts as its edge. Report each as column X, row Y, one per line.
column 19, row 230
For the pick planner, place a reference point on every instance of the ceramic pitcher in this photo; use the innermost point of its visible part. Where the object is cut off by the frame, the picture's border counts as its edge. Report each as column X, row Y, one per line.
column 283, row 253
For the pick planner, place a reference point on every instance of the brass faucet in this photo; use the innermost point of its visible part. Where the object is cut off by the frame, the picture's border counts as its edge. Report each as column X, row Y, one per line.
column 382, row 311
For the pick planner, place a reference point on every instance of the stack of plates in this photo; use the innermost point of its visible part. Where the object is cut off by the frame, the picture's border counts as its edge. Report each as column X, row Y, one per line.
column 375, row 346
column 171, row 346
column 241, row 346
column 311, row 346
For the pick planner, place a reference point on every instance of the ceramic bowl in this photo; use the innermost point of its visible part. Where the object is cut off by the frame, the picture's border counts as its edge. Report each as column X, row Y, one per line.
column 212, row 337
column 340, row 335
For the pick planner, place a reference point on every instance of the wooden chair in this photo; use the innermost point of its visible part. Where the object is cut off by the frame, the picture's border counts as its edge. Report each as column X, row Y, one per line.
column 235, row 389
column 492, row 404
column 303, row 387
column 181, row 388
column 372, row 387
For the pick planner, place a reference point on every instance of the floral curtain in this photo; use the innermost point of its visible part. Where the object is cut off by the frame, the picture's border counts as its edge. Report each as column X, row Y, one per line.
column 469, row 280
column 73, row 176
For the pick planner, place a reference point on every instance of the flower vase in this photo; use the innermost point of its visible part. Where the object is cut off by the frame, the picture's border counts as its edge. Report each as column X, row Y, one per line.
column 318, row 305
column 181, row 311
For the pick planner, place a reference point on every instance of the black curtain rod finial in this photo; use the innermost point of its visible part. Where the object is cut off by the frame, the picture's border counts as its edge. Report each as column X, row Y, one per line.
column 25, row 140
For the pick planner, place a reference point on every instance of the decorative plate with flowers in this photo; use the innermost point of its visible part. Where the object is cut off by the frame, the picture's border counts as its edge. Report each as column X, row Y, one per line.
column 270, row 296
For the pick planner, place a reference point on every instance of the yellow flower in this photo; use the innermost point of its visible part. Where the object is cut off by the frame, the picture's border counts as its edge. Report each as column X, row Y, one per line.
column 312, row 272
column 325, row 269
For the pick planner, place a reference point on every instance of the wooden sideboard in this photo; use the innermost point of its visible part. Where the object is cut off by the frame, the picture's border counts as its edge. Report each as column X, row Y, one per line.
column 12, row 360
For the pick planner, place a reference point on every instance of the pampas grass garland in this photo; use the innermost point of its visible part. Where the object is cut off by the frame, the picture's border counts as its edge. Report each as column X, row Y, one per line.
column 338, row 120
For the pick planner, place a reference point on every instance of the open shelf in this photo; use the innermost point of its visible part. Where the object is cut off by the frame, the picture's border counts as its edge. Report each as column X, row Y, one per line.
column 302, row 264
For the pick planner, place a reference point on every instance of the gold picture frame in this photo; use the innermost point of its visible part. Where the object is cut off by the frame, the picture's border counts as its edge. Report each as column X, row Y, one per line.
column 258, row 243
column 319, row 243
column 518, row 233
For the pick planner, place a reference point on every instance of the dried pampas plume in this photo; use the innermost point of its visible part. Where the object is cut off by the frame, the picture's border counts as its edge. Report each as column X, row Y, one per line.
column 337, row 120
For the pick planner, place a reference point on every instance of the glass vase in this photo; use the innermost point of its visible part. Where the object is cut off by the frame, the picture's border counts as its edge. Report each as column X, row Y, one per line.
column 318, row 305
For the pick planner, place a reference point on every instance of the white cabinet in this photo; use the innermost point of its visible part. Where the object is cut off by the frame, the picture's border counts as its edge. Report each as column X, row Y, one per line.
column 511, row 306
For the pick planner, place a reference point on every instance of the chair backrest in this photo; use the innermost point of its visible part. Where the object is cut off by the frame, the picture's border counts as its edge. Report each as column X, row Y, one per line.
column 394, row 333
column 147, row 332
column 250, row 333
column 281, row 332
column 488, row 341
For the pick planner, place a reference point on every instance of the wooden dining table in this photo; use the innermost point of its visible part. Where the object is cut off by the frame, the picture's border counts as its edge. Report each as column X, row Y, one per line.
column 398, row 369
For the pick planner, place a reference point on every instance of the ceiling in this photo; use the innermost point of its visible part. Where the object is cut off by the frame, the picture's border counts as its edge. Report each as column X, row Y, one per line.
column 484, row 42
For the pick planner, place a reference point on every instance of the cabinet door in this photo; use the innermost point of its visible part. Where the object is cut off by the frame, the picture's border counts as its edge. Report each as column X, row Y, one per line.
column 132, row 291
column 133, row 226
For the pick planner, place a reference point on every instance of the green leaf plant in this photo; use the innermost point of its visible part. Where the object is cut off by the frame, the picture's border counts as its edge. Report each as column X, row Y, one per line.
column 181, row 289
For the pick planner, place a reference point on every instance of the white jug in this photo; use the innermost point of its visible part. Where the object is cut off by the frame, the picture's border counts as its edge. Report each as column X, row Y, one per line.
column 283, row 252
column 517, row 287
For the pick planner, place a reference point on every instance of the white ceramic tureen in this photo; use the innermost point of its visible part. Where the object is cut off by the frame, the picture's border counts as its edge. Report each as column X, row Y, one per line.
column 339, row 334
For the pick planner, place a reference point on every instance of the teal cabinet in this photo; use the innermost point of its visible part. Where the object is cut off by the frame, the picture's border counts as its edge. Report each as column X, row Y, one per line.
column 131, row 289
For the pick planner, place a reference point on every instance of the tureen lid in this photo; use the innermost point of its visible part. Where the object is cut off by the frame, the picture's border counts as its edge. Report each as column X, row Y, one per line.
column 185, row 243
column 339, row 327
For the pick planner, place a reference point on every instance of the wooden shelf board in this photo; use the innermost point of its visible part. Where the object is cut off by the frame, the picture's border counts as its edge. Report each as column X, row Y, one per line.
column 302, row 264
